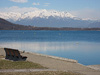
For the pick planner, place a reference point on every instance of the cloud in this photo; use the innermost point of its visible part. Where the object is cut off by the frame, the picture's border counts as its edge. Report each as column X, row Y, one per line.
column 46, row 4
column 20, row 1
column 85, row 14
column 18, row 9
column 36, row 3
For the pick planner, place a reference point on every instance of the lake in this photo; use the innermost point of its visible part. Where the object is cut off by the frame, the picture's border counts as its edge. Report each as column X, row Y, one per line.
column 83, row 46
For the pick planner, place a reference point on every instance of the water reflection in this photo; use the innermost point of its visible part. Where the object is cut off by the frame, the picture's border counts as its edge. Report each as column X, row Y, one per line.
column 52, row 46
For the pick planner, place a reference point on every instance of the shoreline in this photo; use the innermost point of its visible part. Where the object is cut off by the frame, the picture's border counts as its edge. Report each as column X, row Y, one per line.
column 48, row 56
column 54, row 57
column 57, row 63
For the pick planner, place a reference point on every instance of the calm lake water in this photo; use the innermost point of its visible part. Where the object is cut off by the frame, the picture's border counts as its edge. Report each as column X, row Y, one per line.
column 83, row 46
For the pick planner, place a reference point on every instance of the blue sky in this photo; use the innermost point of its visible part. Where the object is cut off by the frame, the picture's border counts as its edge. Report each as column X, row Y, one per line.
column 81, row 8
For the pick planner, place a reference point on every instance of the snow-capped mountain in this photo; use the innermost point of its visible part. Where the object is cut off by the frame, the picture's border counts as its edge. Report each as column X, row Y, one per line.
column 15, row 16
column 48, row 18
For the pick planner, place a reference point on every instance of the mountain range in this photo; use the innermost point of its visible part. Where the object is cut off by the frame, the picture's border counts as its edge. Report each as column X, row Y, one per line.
column 6, row 25
column 48, row 18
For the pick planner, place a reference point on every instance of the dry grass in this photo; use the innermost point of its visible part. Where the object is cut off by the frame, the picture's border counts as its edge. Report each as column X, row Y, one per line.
column 42, row 73
column 7, row 64
column 1, row 56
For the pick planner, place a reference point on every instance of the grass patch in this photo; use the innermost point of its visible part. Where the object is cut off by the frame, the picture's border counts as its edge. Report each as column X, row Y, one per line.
column 7, row 64
column 42, row 73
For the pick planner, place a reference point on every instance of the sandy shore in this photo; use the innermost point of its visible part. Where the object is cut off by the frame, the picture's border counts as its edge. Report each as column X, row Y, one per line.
column 58, row 63
column 96, row 67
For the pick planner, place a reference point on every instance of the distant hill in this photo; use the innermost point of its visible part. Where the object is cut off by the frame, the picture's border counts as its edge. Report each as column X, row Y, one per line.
column 6, row 25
